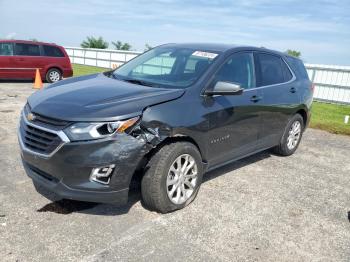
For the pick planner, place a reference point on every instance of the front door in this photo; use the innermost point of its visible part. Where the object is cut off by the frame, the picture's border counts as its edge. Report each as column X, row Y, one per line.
column 7, row 67
column 234, row 120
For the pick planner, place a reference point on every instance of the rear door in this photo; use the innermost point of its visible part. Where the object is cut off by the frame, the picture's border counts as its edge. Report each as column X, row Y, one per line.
column 280, row 96
column 7, row 67
column 27, row 59
column 234, row 120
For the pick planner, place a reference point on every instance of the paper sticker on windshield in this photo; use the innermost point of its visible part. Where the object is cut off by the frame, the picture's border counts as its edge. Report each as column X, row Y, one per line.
column 204, row 54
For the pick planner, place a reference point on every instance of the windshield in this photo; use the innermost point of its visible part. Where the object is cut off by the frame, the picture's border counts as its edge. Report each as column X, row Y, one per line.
column 167, row 67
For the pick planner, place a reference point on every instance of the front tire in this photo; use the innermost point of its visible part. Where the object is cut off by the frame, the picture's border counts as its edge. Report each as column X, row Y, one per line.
column 173, row 177
column 291, row 137
column 53, row 75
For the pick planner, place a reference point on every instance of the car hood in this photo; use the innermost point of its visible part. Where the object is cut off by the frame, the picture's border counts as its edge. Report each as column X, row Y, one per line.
column 97, row 98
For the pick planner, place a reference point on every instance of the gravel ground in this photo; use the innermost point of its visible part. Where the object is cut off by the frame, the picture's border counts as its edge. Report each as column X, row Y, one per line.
column 263, row 208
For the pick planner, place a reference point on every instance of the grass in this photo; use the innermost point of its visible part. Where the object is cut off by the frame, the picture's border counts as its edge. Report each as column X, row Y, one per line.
column 328, row 117
column 80, row 70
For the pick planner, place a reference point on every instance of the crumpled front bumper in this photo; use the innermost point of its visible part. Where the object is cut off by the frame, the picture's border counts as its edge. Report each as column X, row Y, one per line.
column 67, row 172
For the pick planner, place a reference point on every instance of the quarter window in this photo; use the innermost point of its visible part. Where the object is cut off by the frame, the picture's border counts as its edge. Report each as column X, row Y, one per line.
column 273, row 70
column 238, row 69
column 298, row 67
column 286, row 72
column 6, row 49
column 27, row 50
column 52, row 51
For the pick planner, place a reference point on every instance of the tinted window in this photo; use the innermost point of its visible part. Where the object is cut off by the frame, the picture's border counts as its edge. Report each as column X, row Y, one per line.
column 298, row 67
column 238, row 69
column 6, row 49
column 271, row 70
column 27, row 49
column 52, row 51
column 286, row 72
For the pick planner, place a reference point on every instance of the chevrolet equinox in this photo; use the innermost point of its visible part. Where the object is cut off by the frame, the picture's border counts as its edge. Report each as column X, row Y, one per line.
column 174, row 113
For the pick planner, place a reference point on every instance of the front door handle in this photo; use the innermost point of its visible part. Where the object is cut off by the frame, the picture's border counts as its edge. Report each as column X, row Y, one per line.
column 292, row 90
column 255, row 98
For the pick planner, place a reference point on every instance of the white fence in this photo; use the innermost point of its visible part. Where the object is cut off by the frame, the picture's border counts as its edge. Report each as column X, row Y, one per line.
column 99, row 57
column 332, row 83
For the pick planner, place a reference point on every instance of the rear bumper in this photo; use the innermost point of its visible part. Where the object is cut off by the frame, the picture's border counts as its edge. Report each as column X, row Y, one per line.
column 67, row 72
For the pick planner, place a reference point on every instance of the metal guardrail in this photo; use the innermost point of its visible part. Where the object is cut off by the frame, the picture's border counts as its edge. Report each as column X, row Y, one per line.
column 332, row 82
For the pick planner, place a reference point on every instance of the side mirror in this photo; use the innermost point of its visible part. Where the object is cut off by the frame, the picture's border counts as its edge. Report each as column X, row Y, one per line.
column 225, row 88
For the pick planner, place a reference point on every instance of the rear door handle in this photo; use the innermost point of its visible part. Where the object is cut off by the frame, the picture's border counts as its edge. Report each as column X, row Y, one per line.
column 292, row 90
column 255, row 98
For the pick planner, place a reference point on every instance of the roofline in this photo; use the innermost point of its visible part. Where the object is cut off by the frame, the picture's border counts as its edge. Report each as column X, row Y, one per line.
column 28, row 42
column 232, row 47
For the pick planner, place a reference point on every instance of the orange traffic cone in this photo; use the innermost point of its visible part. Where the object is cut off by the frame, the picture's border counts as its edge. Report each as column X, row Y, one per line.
column 38, row 83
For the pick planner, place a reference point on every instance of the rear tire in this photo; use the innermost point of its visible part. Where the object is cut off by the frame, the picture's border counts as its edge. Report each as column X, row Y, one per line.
column 53, row 75
column 173, row 177
column 291, row 137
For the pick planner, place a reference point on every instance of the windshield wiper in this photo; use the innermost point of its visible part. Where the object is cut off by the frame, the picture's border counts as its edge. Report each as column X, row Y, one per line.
column 138, row 82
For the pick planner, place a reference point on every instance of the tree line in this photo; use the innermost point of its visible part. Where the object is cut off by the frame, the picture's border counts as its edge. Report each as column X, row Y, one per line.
column 92, row 42
column 100, row 43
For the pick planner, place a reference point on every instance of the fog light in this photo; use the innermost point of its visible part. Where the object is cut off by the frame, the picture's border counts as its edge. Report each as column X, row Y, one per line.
column 102, row 174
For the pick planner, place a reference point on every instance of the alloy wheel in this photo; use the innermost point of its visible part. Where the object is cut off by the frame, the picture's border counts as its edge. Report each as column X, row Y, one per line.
column 294, row 135
column 182, row 179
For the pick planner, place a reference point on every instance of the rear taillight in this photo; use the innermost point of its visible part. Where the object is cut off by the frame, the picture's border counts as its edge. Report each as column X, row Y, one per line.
column 312, row 87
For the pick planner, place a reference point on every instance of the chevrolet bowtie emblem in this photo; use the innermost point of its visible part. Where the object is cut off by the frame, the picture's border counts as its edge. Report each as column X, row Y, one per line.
column 31, row 117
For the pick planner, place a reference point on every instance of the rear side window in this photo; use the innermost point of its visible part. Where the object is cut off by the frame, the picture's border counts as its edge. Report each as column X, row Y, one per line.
column 27, row 49
column 298, row 66
column 6, row 49
column 52, row 51
column 273, row 70
column 286, row 72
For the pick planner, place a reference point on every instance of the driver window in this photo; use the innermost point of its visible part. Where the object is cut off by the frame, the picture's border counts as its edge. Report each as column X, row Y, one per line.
column 238, row 69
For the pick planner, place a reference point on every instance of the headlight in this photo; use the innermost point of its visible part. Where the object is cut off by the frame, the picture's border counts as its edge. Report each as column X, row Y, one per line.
column 90, row 131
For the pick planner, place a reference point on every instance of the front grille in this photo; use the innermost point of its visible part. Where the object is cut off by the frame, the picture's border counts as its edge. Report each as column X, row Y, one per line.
column 38, row 140
column 40, row 135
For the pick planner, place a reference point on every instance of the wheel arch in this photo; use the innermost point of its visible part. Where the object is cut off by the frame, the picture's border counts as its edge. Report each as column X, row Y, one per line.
column 168, row 140
column 54, row 67
column 304, row 115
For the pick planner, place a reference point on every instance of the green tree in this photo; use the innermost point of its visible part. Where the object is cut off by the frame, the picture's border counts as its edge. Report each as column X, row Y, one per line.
column 119, row 45
column 33, row 39
column 293, row 53
column 148, row 47
column 92, row 42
